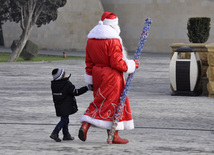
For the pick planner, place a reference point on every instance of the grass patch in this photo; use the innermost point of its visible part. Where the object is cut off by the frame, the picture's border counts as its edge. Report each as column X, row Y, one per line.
column 4, row 57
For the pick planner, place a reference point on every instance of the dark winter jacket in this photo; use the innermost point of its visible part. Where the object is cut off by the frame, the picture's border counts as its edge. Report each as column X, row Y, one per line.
column 63, row 92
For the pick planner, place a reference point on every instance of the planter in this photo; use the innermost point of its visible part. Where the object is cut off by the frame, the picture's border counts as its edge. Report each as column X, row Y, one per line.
column 210, row 70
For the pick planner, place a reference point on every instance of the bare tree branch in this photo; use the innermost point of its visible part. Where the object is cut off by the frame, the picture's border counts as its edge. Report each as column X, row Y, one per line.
column 22, row 18
column 30, row 4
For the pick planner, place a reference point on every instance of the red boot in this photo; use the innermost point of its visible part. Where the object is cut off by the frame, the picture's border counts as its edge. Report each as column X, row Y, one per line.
column 117, row 139
column 83, row 131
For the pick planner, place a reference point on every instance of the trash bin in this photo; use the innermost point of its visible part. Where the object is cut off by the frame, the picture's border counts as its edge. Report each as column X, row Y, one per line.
column 185, row 73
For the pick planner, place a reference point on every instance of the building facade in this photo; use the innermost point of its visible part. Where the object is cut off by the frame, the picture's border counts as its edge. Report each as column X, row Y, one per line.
column 78, row 17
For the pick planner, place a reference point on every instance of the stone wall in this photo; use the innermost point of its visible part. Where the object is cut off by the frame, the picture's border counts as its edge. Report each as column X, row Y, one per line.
column 68, row 32
column 169, row 20
column 210, row 70
column 78, row 17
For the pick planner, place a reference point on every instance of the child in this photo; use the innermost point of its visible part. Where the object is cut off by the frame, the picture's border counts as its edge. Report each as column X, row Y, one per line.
column 63, row 92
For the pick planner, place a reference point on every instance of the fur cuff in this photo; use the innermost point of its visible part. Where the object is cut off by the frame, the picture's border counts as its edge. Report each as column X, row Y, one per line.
column 131, row 66
column 88, row 79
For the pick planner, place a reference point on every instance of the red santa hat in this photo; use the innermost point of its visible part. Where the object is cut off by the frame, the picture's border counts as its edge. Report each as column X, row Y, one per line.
column 109, row 18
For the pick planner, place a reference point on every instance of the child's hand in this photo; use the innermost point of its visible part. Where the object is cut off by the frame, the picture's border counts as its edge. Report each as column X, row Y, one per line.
column 90, row 87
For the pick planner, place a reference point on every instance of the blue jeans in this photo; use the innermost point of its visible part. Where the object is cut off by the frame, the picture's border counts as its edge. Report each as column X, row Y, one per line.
column 63, row 124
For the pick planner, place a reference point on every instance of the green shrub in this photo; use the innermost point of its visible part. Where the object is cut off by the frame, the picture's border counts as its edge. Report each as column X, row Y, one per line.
column 30, row 51
column 198, row 29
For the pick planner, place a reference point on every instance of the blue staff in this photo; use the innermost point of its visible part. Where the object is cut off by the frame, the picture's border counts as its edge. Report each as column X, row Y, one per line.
column 120, row 106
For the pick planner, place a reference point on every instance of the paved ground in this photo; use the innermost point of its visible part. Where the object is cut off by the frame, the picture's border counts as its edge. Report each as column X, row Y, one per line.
column 164, row 124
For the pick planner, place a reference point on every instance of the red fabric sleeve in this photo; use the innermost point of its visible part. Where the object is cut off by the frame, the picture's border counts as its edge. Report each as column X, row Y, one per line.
column 89, row 63
column 116, row 56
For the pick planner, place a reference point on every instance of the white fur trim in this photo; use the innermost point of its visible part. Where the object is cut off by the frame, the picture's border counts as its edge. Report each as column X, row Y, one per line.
column 131, row 66
column 110, row 21
column 103, row 32
column 125, row 125
column 100, row 22
column 88, row 79
column 116, row 27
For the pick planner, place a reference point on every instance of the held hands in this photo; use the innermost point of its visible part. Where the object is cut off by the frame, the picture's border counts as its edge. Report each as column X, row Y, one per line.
column 90, row 87
column 136, row 63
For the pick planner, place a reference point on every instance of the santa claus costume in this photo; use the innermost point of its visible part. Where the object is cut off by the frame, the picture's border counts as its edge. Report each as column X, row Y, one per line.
column 106, row 62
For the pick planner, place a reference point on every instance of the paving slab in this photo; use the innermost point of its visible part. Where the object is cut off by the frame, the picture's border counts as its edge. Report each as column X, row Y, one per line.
column 164, row 124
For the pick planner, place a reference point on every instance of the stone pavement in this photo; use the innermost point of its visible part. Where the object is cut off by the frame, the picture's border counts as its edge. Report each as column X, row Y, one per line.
column 164, row 124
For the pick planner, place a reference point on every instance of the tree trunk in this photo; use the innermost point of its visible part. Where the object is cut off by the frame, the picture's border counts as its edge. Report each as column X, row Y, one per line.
column 21, row 44
column 1, row 36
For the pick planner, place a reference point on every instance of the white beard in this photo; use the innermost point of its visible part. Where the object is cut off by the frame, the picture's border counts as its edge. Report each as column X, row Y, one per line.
column 116, row 27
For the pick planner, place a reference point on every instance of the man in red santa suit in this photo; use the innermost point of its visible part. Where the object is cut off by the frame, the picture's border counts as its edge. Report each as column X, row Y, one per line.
column 106, row 61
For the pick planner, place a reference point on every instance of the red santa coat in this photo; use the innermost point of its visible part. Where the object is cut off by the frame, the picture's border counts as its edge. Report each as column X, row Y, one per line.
column 105, row 63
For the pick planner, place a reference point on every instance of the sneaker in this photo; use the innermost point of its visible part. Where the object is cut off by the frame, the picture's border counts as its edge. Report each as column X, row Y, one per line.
column 68, row 137
column 55, row 137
